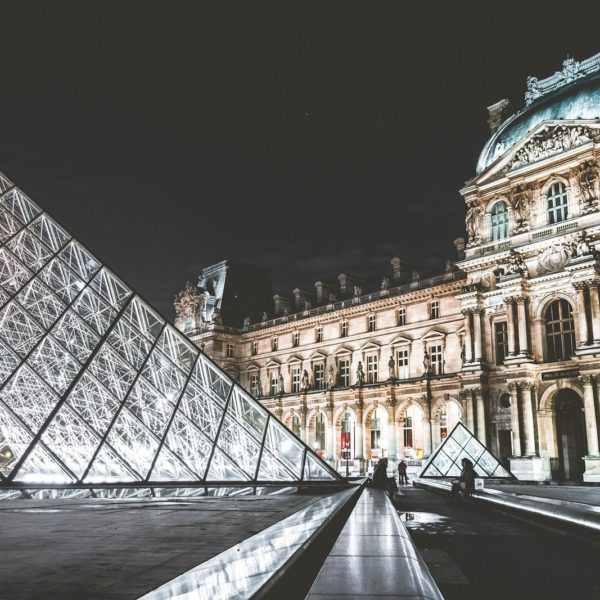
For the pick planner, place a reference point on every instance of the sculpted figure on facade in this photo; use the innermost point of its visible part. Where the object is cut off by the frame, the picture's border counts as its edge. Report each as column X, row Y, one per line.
column 357, row 291
column 265, row 316
column 188, row 300
column 247, row 321
column 305, row 382
column 280, row 384
column 587, row 176
column 553, row 258
column 385, row 283
column 392, row 368
column 331, row 377
column 360, row 374
column 570, row 70
column 259, row 389
column 521, row 204
column 533, row 90
column 515, row 265
column 582, row 246
column 426, row 363
column 473, row 222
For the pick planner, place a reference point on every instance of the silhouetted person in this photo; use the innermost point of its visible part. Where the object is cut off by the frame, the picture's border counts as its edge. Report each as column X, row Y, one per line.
column 465, row 484
column 380, row 479
column 402, row 476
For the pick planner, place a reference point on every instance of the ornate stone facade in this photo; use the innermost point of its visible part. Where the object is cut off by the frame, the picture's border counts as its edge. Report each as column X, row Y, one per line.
column 507, row 340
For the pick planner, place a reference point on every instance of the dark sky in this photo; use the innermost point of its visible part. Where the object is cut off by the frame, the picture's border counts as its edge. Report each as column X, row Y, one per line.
column 310, row 137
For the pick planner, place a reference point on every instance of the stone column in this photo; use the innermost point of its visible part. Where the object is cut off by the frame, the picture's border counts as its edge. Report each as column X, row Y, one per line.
column 468, row 342
column 595, row 309
column 529, row 431
column 583, row 328
column 514, row 419
column 330, row 437
column 591, row 427
column 522, row 326
column 477, row 335
column 304, row 422
column 510, row 326
column 468, row 395
column 360, row 451
column 480, row 417
column 426, row 432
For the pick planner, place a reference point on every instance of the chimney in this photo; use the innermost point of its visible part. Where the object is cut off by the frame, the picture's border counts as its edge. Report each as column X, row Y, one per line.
column 498, row 113
column 281, row 304
column 402, row 271
column 324, row 291
column 303, row 299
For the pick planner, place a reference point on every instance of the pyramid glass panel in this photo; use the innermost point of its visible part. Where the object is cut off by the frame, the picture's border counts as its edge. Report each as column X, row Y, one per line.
column 97, row 388
column 461, row 443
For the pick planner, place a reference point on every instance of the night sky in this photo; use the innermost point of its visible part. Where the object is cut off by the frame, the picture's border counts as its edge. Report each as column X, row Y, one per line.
column 312, row 138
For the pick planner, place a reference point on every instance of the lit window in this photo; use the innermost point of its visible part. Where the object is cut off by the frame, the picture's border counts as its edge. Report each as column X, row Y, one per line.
column 347, row 436
column 375, row 431
column 319, row 334
column 372, row 367
column 229, row 350
column 402, row 362
column 371, row 323
column 558, row 209
column 274, row 344
column 344, row 366
column 296, row 339
column 254, row 347
column 296, row 377
column 437, row 360
column 274, row 383
column 499, row 221
column 501, row 334
column 344, row 329
column 296, row 425
column 408, row 432
column 319, row 371
column 320, row 432
column 434, row 309
column 402, row 315
column 560, row 331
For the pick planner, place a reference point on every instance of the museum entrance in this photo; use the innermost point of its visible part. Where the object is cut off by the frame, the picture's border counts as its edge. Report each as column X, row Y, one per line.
column 570, row 431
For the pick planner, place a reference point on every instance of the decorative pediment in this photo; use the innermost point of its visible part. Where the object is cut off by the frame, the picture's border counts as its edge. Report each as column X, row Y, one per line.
column 317, row 356
column 273, row 364
column 342, row 350
column 294, row 359
column 433, row 334
column 401, row 340
column 370, row 346
column 252, row 367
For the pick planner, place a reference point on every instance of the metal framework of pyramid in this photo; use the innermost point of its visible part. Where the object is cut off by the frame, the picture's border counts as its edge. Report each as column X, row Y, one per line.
column 461, row 443
column 97, row 388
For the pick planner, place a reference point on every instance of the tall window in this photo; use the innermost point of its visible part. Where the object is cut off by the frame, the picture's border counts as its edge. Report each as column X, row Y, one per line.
column 560, row 331
column 437, row 360
column 402, row 362
column 376, row 430
column 499, row 221
column 501, row 340
column 320, row 431
column 557, row 203
column 372, row 367
column 274, row 383
column 254, row 384
column 371, row 323
column 229, row 350
column 319, row 371
column 296, row 339
column 296, row 378
column 434, row 309
column 319, row 334
column 296, row 425
column 347, row 434
column 274, row 344
column 344, row 329
column 344, row 366
column 254, row 347
column 443, row 422
column 408, row 431
column 402, row 315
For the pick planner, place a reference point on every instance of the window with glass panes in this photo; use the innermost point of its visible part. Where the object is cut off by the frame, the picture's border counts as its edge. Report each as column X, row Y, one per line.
column 408, row 432
column 319, row 334
column 402, row 363
column 375, row 431
column 434, row 309
column 499, row 221
column 344, row 329
column 254, row 347
column 274, row 344
column 320, row 432
column 443, row 422
column 402, row 315
column 501, row 338
column 296, row 379
column 296, row 339
column 560, row 331
column 347, row 435
column 371, row 323
column 557, row 200
column 296, row 425
column 254, row 384
column 274, row 383
column 344, row 368
column 372, row 367
column 229, row 350
column 319, row 371
column 437, row 360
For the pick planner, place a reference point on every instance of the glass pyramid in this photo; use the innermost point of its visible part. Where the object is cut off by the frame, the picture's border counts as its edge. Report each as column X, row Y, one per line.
column 97, row 388
column 461, row 443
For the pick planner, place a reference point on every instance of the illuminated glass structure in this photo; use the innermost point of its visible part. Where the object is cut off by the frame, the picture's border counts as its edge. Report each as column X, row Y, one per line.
column 461, row 443
column 97, row 388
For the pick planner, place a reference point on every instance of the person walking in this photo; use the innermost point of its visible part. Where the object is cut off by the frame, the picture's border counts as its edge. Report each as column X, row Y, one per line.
column 402, row 477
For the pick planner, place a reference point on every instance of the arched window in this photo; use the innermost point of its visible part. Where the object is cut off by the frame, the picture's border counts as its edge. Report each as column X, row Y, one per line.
column 449, row 417
column 320, row 432
column 499, row 216
column 376, row 430
column 558, row 209
column 296, row 425
column 347, row 435
column 560, row 331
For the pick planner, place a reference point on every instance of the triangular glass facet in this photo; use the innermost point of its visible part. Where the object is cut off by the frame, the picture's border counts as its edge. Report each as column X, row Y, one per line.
column 461, row 443
column 96, row 387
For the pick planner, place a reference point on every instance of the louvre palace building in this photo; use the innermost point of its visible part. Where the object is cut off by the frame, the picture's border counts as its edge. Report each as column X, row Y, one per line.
column 506, row 339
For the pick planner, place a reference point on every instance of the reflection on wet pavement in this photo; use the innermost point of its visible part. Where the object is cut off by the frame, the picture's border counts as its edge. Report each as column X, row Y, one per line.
column 426, row 522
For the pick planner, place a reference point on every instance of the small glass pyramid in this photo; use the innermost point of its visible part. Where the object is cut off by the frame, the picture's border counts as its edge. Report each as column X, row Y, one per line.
column 461, row 443
column 96, row 387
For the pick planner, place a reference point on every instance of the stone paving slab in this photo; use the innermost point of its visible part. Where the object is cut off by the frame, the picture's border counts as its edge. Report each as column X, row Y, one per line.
column 121, row 549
